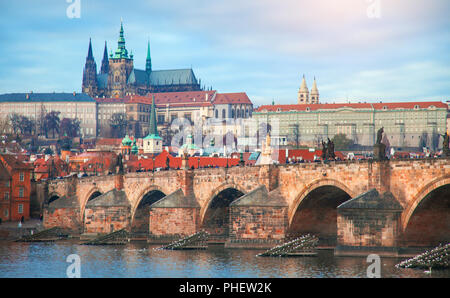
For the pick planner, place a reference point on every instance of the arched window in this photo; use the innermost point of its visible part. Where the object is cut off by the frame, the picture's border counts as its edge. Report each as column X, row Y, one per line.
column 238, row 113
column 232, row 113
column 217, row 113
column 223, row 114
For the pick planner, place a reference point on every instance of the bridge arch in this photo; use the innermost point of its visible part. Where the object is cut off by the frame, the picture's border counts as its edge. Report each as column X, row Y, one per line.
column 315, row 210
column 423, row 192
column 90, row 195
column 139, row 223
column 53, row 197
column 213, row 194
column 312, row 186
column 214, row 214
column 426, row 219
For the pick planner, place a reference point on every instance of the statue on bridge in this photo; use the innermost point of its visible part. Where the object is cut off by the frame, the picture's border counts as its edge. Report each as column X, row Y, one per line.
column 330, row 149
column 324, row 151
column 379, row 149
column 380, row 135
column 445, row 146
column 119, row 164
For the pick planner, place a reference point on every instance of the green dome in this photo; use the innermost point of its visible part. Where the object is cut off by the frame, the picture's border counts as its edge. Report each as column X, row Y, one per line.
column 127, row 141
column 134, row 149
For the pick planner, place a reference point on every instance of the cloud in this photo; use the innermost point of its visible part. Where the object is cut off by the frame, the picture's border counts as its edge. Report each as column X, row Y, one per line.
column 261, row 47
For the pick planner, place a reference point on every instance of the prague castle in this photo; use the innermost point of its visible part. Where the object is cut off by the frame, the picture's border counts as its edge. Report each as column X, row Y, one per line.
column 118, row 77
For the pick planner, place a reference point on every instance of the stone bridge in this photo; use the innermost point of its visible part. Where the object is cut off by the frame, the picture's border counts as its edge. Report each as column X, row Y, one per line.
column 382, row 204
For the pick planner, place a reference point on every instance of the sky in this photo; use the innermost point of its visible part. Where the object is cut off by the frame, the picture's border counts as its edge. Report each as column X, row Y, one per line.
column 358, row 50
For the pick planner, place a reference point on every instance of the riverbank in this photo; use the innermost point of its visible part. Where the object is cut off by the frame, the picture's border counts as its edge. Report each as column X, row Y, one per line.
column 11, row 231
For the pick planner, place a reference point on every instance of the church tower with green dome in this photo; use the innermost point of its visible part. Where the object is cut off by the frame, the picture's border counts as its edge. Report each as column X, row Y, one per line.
column 153, row 142
column 126, row 145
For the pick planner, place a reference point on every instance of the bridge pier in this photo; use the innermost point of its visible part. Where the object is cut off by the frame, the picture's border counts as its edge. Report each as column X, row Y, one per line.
column 369, row 223
column 107, row 213
column 173, row 217
column 64, row 213
column 257, row 219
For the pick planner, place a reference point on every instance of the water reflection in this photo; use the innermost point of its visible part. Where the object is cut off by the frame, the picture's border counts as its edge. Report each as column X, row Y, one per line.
column 142, row 260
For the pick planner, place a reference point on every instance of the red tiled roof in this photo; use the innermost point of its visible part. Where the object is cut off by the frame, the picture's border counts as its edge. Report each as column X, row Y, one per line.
column 333, row 106
column 232, row 98
column 175, row 162
column 188, row 98
column 111, row 100
column 108, row 142
column 15, row 163
column 305, row 154
column 409, row 105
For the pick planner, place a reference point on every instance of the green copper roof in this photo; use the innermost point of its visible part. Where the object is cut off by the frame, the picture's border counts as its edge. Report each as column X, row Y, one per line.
column 148, row 62
column 121, row 51
column 153, row 130
column 134, row 149
column 126, row 141
column 153, row 137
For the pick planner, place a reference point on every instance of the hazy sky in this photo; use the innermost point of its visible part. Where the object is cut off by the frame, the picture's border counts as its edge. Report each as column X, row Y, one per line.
column 359, row 50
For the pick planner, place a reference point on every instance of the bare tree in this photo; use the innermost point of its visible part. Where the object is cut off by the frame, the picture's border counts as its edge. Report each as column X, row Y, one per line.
column 118, row 124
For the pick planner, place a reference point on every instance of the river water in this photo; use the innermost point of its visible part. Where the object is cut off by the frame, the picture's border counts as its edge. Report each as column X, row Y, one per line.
column 143, row 260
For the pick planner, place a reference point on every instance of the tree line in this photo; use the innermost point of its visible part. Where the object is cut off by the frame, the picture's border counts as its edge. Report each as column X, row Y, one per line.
column 47, row 124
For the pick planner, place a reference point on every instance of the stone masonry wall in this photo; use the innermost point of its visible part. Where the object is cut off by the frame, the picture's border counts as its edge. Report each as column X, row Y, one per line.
column 102, row 221
column 249, row 223
column 368, row 228
column 67, row 218
column 173, row 221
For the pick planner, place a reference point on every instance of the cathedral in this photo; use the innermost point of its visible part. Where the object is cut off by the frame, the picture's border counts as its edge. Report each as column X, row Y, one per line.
column 118, row 77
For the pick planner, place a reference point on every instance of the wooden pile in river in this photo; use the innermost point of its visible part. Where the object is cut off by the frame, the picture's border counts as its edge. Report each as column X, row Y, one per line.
column 114, row 238
column 437, row 258
column 51, row 234
column 194, row 241
column 303, row 246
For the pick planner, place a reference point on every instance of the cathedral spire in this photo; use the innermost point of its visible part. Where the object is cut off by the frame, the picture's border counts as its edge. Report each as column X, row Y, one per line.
column 303, row 93
column 314, row 92
column 153, row 130
column 303, row 86
column 90, row 56
column 148, row 62
column 89, row 83
column 121, row 51
column 105, row 61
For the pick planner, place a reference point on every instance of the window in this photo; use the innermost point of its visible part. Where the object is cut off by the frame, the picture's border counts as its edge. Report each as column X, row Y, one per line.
column 6, row 196
column 223, row 114
column 161, row 119
column 6, row 213
column 21, row 191
column 7, row 183
column 21, row 176
column 217, row 113
column 20, row 208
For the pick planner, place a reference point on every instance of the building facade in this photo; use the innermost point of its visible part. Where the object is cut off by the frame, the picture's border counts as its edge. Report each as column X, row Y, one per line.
column 406, row 124
column 70, row 105
column 15, row 188
column 118, row 77
column 203, row 109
